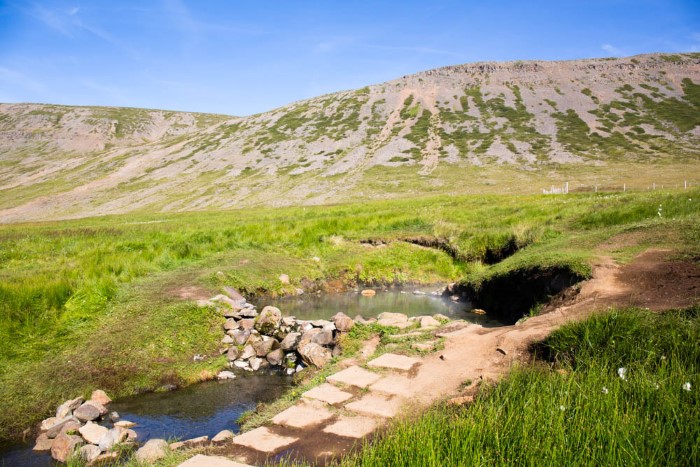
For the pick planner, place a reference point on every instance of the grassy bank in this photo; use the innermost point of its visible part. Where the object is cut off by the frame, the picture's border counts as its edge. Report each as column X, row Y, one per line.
column 97, row 302
column 572, row 407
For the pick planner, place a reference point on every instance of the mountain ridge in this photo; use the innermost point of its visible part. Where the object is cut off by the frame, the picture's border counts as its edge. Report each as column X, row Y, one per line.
column 429, row 132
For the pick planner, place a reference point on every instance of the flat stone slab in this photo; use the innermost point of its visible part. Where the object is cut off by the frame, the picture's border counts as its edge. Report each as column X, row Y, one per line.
column 302, row 416
column 375, row 405
column 352, row 427
column 394, row 362
column 393, row 385
column 263, row 440
column 354, row 376
column 327, row 393
column 201, row 460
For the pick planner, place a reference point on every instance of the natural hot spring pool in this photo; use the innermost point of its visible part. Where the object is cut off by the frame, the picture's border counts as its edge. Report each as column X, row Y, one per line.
column 207, row 408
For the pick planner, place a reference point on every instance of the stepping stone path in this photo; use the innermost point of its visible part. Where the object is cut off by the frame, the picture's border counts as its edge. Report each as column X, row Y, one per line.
column 352, row 404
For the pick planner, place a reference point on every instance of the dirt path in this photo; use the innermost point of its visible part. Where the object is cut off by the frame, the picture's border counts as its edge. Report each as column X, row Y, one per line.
column 321, row 428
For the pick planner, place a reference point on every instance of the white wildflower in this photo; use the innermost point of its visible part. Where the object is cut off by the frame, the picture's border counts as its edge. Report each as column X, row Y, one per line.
column 686, row 386
column 622, row 373
column 663, row 357
column 656, row 385
column 605, row 390
column 562, row 408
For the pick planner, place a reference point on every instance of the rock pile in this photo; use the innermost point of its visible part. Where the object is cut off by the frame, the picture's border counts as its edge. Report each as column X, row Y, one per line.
column 255, row 340
column 77, row 427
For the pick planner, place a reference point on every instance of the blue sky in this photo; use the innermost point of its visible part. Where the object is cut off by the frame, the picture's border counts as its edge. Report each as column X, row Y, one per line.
column 243, row 57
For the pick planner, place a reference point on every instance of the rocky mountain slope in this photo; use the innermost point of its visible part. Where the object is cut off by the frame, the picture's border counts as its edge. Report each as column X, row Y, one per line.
column 496, row 127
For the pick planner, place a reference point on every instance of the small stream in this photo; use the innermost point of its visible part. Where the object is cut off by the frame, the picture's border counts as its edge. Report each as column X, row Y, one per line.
column 207, row 408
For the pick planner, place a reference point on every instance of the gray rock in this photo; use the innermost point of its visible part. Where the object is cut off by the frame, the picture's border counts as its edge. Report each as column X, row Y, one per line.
column 231, row 324
column 111, row 438
column 314, row 354
column 89, row 453
column 152, row 451
column 240, row 336
column 92, row 432
column 265, row 347
column 284, row 279
column 276, row 357
column 68, row 407
column 255, row 363
column 233, row 353
column 234, row 294
column 321, row 323
column 67, row 424
column 43, row 443
column 131, row 436
column 290, row 342
column 248, row 313
column 289, row 321
column 247, row 324
column 398, row 320
column 269, row 320
column 225, row 375
column 90, row 411
column 342, row 322
column 50, row 422
column 241, row 364
column 248, row 352
column 428, row 322
column 222, row 437
column 114, row 417
column 322, row 337
column 64, row 445
column 125, row 424
column 227, row 340
column 101, row 397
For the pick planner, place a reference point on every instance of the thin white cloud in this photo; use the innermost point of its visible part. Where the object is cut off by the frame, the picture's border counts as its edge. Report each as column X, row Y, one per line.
column 19, row 79
column 418, row 49
column 612, row 50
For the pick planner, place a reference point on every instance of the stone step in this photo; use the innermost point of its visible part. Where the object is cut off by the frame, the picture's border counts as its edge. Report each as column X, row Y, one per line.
column 394, row 385
column 376, row 405
column 264, row 440
column 394, row 362
column 302, row 415
column 327, row 393
column 354, row 376
column 352, row 427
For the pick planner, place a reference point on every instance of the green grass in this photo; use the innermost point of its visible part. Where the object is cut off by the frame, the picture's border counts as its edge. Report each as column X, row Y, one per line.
column 94, row 302
column 583, row 414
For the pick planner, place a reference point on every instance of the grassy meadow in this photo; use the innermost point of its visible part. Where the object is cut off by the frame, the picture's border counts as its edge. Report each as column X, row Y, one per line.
column 617, row 389
column 97, row 302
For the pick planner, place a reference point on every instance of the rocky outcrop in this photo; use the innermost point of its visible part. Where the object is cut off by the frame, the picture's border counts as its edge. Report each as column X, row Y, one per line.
column 79, row 426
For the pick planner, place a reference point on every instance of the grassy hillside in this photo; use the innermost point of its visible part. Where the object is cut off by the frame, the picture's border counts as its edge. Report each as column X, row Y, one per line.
column 516, row 127
column 97, row 302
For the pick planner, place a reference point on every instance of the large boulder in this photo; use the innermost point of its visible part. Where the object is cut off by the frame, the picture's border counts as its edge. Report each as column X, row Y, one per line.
column 64, row 445
column 290, row 341
column 68, row 407
column 90, row 411
column 247, row 324
column 231, row 324
column 314, row 354
column 67, row 424
column 264, row 347
column 101, row 397
column 92, row 432
column 269, row 320
column 240, row 336
column 276, row 357
column 233, row 353
column 152, row 451
column 248, row 352
column 343, row 322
